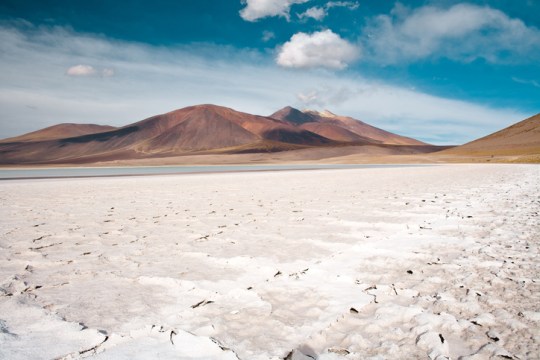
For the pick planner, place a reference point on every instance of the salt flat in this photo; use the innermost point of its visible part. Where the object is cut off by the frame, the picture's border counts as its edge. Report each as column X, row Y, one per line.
column 427, row 262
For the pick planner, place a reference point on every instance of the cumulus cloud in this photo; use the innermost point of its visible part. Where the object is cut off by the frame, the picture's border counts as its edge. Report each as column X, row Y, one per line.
column 317, row 13
column 258, row 9
column 463, row 32
column 81, row 70
column 320, row 49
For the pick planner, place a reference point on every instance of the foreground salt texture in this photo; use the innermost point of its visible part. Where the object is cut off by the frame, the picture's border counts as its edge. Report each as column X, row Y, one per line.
column 426, row 262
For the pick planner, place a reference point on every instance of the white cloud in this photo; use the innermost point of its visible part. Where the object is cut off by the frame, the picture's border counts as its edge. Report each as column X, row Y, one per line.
column 81, row 70
column 258, row 9
column 319, row 13
column 463, row 32
column 320, row 49
column 34, row 93
column 88, row 70
column 351, row 5
column 315, row 12
column 268, row 35
column 326, row 96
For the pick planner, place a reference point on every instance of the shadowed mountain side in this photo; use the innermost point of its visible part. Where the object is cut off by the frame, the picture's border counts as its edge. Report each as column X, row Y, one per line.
column 522, row 138
column 294, row 116
column 296, row 136
column 61, row 151
column 60, row 131
column 366, row 131
column 101, row 137
column 337, row 133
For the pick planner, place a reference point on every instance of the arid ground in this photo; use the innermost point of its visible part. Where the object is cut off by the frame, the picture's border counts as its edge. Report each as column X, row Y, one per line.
column 434, row 262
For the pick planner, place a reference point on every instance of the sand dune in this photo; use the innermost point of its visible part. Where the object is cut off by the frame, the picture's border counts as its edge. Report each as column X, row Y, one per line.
column 341, row 264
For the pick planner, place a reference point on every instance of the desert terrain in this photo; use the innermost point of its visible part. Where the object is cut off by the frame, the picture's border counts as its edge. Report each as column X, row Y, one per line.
column 217, row 135
column 206, row 131
column 435, row 262
column 270, row 180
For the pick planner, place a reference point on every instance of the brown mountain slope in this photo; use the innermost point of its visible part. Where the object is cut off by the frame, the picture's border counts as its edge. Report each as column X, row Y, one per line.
column 313, row 123
column 200, row 134
column 522, row 138
column 194, row 128
column 201, row 129
column 335, row 124
column 60, row 131
column 294, row 116
column 337, row 133
column 373, row 132
column 255, row 124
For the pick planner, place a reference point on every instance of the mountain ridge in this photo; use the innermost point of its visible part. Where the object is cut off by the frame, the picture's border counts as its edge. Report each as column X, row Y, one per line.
column 334, row 125
column 191, row 130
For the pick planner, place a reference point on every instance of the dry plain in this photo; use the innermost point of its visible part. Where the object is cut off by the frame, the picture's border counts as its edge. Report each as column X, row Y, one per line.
column 432, row 262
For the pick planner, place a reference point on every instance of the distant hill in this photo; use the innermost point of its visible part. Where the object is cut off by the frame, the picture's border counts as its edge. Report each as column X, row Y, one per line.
column 201, row 129
column 522, row 138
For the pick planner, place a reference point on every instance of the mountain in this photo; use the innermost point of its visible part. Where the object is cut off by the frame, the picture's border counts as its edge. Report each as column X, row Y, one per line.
column 201, row 129
column 293, row 116
column 60, row 131
column 341, row 128
column 522, row 138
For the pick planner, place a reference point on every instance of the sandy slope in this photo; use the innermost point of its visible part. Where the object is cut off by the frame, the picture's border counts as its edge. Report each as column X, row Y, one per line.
column 522, row 138
column 427, row 262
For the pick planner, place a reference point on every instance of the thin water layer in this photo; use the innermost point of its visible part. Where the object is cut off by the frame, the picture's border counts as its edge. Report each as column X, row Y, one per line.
column 68, row 172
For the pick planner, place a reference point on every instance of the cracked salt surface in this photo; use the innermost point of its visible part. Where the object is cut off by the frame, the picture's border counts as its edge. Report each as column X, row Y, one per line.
column 434, row 262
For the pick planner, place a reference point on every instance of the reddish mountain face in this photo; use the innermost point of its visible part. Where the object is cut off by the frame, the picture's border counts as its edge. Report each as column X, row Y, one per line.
column 341, row 128
column 194, row 129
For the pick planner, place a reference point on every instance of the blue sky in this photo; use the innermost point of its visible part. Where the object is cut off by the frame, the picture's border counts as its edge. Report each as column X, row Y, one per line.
column 443, row 71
